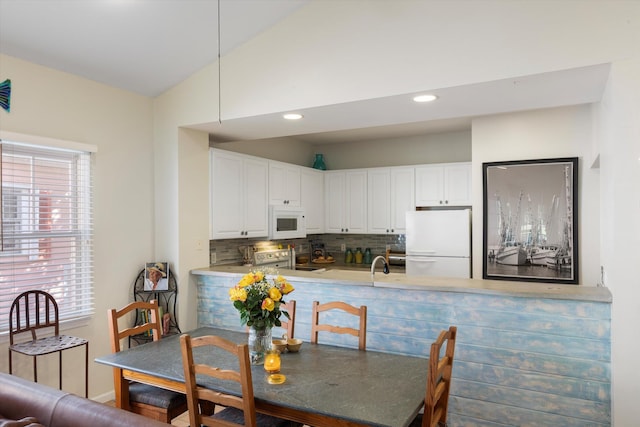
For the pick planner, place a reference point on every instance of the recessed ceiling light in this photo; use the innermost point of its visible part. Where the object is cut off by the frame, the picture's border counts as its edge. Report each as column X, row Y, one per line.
column 292, row 116
column 425, row 98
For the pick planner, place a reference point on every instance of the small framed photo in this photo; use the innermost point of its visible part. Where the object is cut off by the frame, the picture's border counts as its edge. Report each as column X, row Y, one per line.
column 156, row 276
column 531, row 220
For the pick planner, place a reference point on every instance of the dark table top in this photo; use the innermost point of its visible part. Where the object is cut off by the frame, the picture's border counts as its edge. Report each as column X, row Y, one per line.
column 367, row 387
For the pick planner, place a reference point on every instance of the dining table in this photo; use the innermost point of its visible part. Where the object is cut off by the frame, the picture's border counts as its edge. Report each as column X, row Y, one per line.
column 324, row 385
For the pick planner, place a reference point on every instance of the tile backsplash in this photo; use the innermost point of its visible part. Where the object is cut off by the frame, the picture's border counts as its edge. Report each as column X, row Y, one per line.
column 231, row 251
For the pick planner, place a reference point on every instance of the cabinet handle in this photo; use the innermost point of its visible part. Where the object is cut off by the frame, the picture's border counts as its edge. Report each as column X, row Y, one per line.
column 446, row 202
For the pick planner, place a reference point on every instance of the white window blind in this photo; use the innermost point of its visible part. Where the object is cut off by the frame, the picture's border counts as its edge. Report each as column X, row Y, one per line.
column 46, row 239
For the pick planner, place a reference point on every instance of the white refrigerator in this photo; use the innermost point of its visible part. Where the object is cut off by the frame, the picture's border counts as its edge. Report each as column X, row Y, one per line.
column 438, row 243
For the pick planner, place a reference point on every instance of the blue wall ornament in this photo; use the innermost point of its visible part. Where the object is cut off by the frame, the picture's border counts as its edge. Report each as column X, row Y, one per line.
column 5, row 94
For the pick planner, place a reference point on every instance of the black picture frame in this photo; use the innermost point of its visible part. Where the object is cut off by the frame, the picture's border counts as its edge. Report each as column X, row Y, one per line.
column 530, row 220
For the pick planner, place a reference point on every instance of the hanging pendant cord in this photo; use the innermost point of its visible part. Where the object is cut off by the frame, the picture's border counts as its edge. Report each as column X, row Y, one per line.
column 219, row 72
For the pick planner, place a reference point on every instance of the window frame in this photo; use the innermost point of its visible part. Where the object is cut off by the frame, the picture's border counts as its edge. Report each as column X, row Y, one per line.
column 75, row 295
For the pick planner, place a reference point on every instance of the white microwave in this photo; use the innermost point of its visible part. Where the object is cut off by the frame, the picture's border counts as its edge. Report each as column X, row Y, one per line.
column 286, row 222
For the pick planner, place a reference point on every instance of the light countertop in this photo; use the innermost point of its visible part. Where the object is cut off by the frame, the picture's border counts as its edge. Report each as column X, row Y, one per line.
column 402, row 281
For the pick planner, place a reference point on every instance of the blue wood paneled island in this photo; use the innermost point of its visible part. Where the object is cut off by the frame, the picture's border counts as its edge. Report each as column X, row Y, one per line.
column 528, row 354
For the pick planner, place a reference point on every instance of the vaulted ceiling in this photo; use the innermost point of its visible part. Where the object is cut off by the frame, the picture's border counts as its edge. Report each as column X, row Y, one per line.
column 141, row 46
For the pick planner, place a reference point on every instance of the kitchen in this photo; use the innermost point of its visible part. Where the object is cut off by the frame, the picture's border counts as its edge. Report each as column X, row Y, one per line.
column 181, row 164
column 469, row 301
column 483, row 308
column 342, row 211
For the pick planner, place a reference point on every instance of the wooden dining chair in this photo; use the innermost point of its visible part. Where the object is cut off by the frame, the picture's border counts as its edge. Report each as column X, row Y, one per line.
column 239, row 410
column 289, row 324
column 360, row 332
column 152, row 402
column 436, row 401
column 33, row 312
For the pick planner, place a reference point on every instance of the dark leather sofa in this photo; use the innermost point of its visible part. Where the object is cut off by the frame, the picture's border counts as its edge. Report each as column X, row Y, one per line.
column 21, row 399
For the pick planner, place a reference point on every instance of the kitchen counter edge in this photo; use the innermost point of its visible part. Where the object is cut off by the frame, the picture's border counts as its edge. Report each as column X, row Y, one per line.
column 401, row 281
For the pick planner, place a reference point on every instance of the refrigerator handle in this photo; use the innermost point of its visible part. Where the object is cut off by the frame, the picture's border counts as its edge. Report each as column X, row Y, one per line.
column 421, row 259
column 422, row 253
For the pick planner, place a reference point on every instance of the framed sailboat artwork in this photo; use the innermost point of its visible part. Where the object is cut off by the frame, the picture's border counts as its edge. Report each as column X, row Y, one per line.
column 530, row 229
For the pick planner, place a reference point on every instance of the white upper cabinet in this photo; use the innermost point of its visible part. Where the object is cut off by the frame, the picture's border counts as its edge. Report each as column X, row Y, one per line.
column 402, row 197
column 312, row 199
column 357, row 201
column 447, row 184
column 284, row 184
column 390, row 196
column 239, row 195
column 346, row 201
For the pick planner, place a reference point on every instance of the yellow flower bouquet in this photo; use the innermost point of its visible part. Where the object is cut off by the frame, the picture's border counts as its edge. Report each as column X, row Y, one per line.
column 258, row 299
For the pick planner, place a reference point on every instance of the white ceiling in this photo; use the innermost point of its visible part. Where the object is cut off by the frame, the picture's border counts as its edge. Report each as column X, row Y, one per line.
column 142, row 46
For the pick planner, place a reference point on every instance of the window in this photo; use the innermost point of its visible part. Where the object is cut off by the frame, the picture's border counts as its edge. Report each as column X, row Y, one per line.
column 46, row 237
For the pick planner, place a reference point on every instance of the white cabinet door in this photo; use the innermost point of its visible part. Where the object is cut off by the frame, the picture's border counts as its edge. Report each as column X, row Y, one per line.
column 443, row 185
column 334, row 192
column 356, row 202
column 227, row 195
column 256, row 207
column 457, row 180
column 402, row 197
column 238, row 186
column 312, row 199
column 346, row 201
column 284, row 184
column 390, row 196
column 379, row 201
column 429, row 185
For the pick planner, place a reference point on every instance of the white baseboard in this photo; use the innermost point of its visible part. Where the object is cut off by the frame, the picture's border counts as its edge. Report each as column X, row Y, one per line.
column 102, row 398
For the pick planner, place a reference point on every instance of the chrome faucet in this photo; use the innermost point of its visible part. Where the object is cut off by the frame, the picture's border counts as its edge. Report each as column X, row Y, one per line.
column 385, row 266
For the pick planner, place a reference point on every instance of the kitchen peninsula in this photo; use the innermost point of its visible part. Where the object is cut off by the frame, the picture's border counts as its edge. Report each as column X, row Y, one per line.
column 544, row 348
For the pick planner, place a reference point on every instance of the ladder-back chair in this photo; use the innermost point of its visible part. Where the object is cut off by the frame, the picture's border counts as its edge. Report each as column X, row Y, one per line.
column 152, row 402
column 436, row 401
column 360, row 332
column 239, row 410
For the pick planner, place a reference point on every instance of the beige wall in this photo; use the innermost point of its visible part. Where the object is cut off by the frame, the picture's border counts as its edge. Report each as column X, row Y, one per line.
column 356, row 50
column 402, row 47
column 59, row 105
column 413, row 150
column 542, row 134
column 287, row 150
column 618, row 133
column 434, row 148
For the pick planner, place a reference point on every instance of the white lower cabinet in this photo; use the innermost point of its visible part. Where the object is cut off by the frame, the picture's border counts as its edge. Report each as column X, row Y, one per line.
column 239, row 195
